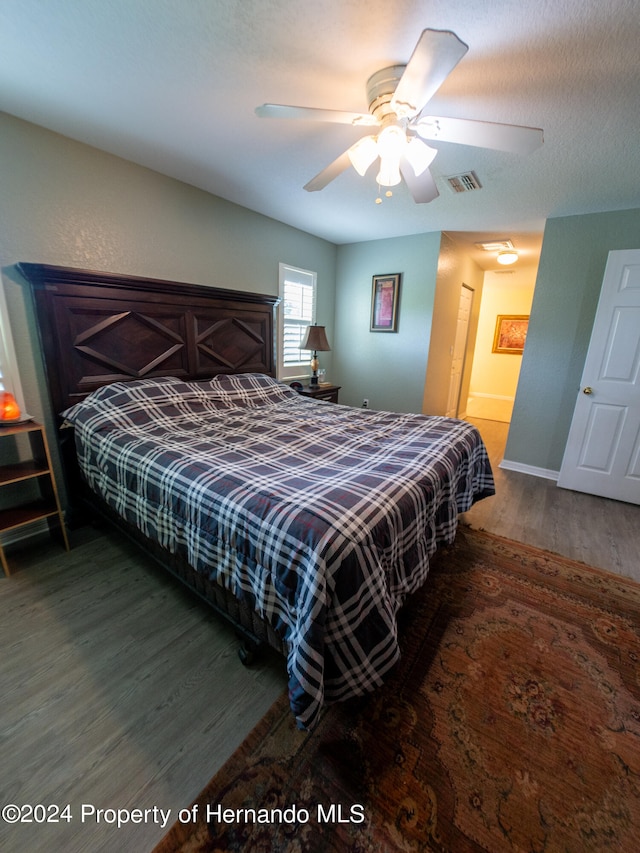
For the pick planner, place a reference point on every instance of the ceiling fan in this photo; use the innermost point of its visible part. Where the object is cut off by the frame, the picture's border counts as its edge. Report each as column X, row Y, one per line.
column 397, row 96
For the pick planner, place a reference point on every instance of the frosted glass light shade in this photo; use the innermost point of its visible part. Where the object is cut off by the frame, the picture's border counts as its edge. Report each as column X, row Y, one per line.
column 363, row 153
column 389, row 174
column 420, row 155
column 392, row 141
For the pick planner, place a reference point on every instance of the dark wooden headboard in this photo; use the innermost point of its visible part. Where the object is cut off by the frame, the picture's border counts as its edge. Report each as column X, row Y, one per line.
column 98, row 328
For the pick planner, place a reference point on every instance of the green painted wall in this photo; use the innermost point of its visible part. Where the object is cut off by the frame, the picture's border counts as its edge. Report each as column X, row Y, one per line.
column 572, row 263
column 68, row 204
column 386, row 367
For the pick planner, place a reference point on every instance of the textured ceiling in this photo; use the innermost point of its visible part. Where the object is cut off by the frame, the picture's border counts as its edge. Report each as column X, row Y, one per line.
column 172, row 85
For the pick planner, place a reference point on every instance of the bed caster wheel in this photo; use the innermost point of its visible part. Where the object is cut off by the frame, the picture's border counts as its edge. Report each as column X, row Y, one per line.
column 247, row 656
column 248, row 651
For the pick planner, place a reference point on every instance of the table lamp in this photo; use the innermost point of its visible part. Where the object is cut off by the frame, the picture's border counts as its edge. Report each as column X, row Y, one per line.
column 315, row 339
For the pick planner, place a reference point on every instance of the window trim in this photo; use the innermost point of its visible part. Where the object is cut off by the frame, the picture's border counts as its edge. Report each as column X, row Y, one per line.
column 287, row 272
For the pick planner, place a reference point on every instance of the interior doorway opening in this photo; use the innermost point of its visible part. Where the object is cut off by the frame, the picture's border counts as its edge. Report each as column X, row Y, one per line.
column 496, row 368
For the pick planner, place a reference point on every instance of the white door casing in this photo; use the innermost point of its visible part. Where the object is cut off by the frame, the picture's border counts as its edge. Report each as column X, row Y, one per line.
column 602, row 456
column 459, row 350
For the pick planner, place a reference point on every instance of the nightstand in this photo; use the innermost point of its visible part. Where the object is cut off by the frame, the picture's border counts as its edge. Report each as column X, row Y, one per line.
column 38, row 468
column 321, row 392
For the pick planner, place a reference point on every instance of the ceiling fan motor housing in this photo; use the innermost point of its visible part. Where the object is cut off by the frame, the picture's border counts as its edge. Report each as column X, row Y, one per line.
column 380, row 89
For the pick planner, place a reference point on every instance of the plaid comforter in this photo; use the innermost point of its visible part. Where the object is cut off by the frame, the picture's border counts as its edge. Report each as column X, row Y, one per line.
column 324, row 516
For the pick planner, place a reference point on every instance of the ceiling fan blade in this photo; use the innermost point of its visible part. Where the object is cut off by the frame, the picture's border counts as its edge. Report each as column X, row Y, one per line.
column 436, row 54
column 423, row 188
column 329, row 174
column 313, row 114
column 482, row 134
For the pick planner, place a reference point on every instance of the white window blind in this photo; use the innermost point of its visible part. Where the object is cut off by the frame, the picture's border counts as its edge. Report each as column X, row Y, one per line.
column 297, row 311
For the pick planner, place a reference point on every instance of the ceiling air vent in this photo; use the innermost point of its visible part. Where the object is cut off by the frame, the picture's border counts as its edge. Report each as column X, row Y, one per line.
column 464, row 183
column 495, row 246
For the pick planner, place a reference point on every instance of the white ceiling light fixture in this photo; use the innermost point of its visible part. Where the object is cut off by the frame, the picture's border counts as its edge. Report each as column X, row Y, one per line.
column 509, row 256
column 397, row 97
column 391, row 146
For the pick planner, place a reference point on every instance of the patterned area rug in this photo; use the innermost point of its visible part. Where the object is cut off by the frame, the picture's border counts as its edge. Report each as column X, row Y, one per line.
column 512, row 723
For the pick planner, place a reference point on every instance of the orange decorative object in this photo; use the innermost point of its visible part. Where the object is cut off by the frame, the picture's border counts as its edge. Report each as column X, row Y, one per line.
column 9, row 409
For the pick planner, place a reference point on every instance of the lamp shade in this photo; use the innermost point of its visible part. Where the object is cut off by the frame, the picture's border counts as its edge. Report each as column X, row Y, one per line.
column 315, row 339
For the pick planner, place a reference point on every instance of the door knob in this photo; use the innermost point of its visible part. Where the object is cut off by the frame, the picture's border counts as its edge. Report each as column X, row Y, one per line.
column 587, row 390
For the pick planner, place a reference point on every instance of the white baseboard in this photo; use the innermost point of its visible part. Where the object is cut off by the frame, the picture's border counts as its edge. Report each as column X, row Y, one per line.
column 533, row 470
column 478, row 395
column 493, row 407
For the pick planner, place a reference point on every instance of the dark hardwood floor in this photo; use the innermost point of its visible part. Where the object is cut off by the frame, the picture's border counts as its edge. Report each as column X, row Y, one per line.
column 592, row 530
column 121, row 691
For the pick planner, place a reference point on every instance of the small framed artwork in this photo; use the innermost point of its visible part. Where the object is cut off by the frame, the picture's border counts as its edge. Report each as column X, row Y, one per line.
column 385, row 295
column 511, row 333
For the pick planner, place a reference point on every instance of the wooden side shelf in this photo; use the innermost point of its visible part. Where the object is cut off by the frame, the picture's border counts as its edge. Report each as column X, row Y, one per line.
column 37, row 468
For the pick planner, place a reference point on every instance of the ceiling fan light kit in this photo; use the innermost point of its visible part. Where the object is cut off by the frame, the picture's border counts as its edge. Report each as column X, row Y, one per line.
column 362, row 154
column 397, row 96
column 390, row 146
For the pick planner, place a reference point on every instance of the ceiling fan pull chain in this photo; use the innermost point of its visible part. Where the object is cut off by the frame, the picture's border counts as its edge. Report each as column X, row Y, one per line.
column 388, row 194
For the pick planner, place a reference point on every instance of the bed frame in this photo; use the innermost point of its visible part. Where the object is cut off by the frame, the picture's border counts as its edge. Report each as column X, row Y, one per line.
column 97, row 328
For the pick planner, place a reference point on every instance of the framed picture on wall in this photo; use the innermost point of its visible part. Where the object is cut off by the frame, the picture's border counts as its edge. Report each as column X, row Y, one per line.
column 385, row 295
column 511, row 333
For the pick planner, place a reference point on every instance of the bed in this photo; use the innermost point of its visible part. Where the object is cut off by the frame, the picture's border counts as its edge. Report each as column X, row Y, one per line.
column 309, row 523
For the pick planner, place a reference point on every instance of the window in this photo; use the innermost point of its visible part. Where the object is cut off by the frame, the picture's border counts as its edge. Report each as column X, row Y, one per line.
column 297, row 310
column 9, row 378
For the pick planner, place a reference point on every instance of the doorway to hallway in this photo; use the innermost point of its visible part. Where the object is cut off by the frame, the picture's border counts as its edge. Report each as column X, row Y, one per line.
column 495, row 372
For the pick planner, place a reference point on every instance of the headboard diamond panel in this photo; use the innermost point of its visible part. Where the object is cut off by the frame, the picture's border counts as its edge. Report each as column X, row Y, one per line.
column 100, row 327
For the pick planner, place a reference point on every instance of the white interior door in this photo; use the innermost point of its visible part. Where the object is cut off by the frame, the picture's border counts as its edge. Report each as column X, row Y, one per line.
column 602, row 456
column 459, row 350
